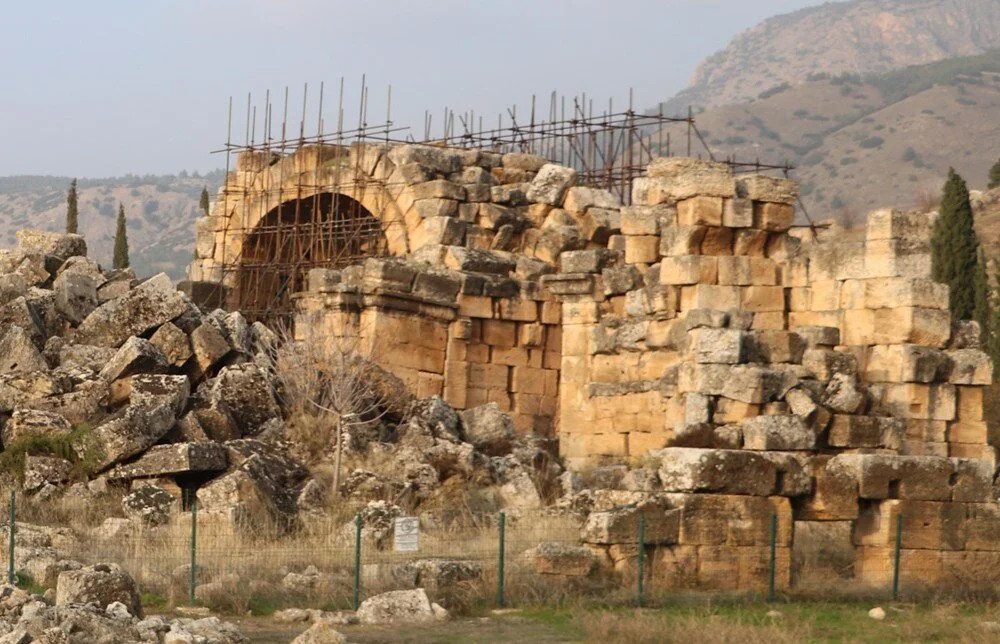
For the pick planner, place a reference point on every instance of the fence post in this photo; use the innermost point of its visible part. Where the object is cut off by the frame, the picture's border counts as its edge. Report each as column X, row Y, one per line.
column 500, row 558
column 11, row 578
column 357, row 561
column 642, row 555
column 193, row 581
column 773, row 564
column 899, row 546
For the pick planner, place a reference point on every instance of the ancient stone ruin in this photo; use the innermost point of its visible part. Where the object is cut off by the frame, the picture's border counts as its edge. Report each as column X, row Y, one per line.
column 753, row 368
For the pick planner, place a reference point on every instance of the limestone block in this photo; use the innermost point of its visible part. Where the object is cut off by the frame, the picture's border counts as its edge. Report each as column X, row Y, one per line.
column 759, row 187
column 737, row 213
column 889, row 223
column 923, row 326
column 891, row 292
column 968, row 431
column 771, row 345
column 866, row 431
column 970, row 403
column 690, row 469
column 819, row 336
column 965, row 334
column 707, row 296
column 643, row 220
column 598, row 224
column 642, row 249
column 709, row 379
column 686, row 177
column 897, row 258
column 780, row 432
column 750, row 242
column 688, row 269
column 782, row 247
column 836, row 492
column 578, row 199
column 926, row 525
column 773, row 217
column 700, row 211
column 718, row 241
column 756, row 384
column 842, row 394
column 142, row 309
column 621, row 525
column 905, row 363
column 732, row 520
column 762, row 298
column 972, row 481
column 550, row 184
column 722, row 346
column 681, row 240
column 135, row 356
column 970, row 367
column 587, row 261
column 915, row 400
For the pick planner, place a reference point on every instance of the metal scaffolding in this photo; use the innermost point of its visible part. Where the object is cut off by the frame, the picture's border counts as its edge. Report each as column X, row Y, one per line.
column 315, row 224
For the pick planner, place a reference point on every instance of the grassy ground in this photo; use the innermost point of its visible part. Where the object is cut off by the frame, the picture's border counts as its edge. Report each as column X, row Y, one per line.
column 689, row 624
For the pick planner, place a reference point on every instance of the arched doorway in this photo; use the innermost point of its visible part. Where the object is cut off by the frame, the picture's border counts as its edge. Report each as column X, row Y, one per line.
column 328, row 230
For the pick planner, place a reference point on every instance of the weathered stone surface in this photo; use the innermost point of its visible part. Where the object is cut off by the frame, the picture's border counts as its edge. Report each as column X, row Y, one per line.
column 102, row 584
column 42, row 470
column 18, row 353
column 687, row 469
column 76, row 295
column 62, row 245
column 488, row 429
column 321, row 632
column 150, row 504
column 397, row 606
column 723, row 346
column 780, row 432
column 136, row 355
column 127, row 433
column 29, row 423
column 761, row 187
column 563, row 559
column 247, row 393
column 181, row 458
column 209, row 347
column 152, row 303
column 621, row 525
column 172, row 343
column 842, row 394
column 550, row 184
column 684, row 177
column 866, row 431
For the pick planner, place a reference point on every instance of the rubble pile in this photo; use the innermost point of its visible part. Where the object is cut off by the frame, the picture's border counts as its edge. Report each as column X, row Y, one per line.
column 127, row 382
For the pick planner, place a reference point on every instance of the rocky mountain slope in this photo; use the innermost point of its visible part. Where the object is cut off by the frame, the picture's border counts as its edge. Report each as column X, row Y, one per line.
column 161, row 211
column 862, row 142
column 858, row 37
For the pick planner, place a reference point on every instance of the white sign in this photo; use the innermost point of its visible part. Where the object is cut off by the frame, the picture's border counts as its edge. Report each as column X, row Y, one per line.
column 406, row 536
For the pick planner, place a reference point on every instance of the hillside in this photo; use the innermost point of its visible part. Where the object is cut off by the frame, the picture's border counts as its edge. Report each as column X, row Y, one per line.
column 863, row 142
column 858, row 37
column 161, row 211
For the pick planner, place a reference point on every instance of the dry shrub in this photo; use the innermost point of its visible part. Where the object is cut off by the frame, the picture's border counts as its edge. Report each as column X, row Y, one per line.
column 638, row 627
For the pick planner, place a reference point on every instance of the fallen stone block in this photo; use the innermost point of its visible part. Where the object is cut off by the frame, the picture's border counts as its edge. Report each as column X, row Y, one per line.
column 621, row 525
column 18, row 353
column 125, row 434
column 136, row 355
column 182, row 458
column 31, row 423
column 102, row 584
column 152, row 303
column 563, row 559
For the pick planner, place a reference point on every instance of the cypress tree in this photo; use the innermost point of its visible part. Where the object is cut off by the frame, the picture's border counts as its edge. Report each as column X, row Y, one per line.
column 204, row 201
column 121, row 241
column 954, row 247
column 994, row 179
column 72, row 214
column 982, row 308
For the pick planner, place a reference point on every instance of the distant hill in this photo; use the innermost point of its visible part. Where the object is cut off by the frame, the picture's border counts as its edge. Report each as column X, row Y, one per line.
column 161, row 210
column 861, row 142
column 857, row 37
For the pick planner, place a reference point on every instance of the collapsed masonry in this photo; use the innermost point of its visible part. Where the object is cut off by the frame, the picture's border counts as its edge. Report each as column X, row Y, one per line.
column 817, row 380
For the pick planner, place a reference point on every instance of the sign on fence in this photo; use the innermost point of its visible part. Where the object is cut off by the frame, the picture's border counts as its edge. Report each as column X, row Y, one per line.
column 406, row 537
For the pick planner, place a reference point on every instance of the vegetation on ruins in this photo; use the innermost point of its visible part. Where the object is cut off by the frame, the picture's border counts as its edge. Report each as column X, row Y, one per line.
column 121, row 241
column 994, row 178
column 72, row 211
column 203, row 202
column 954, row 247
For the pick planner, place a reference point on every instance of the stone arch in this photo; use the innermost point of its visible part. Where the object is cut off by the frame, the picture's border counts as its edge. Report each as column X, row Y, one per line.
column 323, row 229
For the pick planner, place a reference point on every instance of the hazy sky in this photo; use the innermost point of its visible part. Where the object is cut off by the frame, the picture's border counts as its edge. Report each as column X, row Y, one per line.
column 104, row 87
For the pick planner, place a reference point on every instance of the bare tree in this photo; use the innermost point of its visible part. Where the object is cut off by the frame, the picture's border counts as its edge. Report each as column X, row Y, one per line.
column 332, row 381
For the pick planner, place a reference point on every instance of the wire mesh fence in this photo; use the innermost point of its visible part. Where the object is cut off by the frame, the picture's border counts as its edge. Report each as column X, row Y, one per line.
column 501, row 560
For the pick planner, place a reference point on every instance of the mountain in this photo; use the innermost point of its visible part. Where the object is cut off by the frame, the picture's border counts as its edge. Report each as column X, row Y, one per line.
column 858, row 37
column 160, row 211
column 862, row 142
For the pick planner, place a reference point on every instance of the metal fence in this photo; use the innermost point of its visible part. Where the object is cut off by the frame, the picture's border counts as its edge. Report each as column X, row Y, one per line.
column 500, row 560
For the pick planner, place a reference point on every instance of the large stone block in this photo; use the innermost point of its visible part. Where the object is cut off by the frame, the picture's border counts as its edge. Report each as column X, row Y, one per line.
column 621, row 525
column 688, row 270
column 866, row 431
column 723, row 346
column 700, row 211
column 905, row 363
column 152, row 303
column 169, row 460
column 759, row 187
column 970, row 367
column 685, row 177
column 777, row 432
column 720, row 471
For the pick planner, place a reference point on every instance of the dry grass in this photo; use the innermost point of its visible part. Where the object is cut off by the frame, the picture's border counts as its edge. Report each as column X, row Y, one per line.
column 640, row 627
